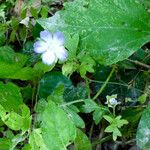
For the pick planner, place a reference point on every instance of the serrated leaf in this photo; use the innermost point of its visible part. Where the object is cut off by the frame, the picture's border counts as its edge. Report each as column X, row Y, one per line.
column 143, row 131
column 109, row 30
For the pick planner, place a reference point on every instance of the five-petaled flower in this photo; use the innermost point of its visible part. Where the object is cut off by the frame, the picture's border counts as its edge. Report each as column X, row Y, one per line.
column 51, row 47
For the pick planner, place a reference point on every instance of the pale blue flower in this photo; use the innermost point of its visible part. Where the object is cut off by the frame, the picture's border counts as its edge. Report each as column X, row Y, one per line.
column 51, row 47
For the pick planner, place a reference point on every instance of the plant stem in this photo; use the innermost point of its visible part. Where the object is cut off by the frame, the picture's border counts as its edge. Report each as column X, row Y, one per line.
column 88, row 86
column 139, row 63
column 105, row 83
column 105, row 139
column 114, row 114
column 70, row 103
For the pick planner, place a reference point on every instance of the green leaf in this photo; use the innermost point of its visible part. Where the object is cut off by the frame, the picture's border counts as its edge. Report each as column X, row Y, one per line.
column 82, row 142
column 143, row 131
column 44, row 11
column 72, row 45
column 36, row 140
column 12, row 63
column 108, row 118
column 16, row 121
column 142, row 98
column 52, row 80
column 13, row 112
column 5, row 143
column 2, row 38
column 57, row 129
column 74, row 117
column 115, row 124
column 98, row 115
column 109, row 30
column 75, row 93
column 89, row 106
column 10, row 97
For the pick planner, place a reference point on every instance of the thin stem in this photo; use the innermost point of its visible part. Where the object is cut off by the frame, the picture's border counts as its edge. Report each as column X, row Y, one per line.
column 105, row 139
column 139, row 63
column 114, row 114
column 91, row 131
column 70, row 103
column 115, row 83
column 105, row 83
column 88, row 86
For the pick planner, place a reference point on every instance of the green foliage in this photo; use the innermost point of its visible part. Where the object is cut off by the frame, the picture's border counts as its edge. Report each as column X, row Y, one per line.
column 143, row 132
column 57, row 130
column 50, row 81
column 82, row 142
column 10, row 97
column 98, row 111
column 115, row 124
column 125, row 33
column 66, row 105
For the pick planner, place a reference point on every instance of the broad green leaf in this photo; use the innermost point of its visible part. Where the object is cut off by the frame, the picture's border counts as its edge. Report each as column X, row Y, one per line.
column 10, row 97
column 12, row 63
column 52, row 80
column 82, row 142
column 109, row 31
column 143, row 131
column 57, row 129
column 16, row 121
column 36, row 141
column 5, row 143
column 26, row 73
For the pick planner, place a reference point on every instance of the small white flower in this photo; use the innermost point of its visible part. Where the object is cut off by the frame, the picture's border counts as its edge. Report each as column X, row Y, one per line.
column 111, row 101
column 51, row 47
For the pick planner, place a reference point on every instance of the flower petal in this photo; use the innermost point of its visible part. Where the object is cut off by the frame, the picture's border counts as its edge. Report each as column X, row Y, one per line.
column 61, row 53
column 49, row 58
column 40, row 46
column 46, row 36
column 59, row 37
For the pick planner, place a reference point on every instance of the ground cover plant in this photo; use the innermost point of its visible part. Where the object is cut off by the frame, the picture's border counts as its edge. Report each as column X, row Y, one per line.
column 74, row 74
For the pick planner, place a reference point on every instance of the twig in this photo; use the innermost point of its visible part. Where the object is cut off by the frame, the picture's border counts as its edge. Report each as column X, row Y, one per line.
column 139, row 63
